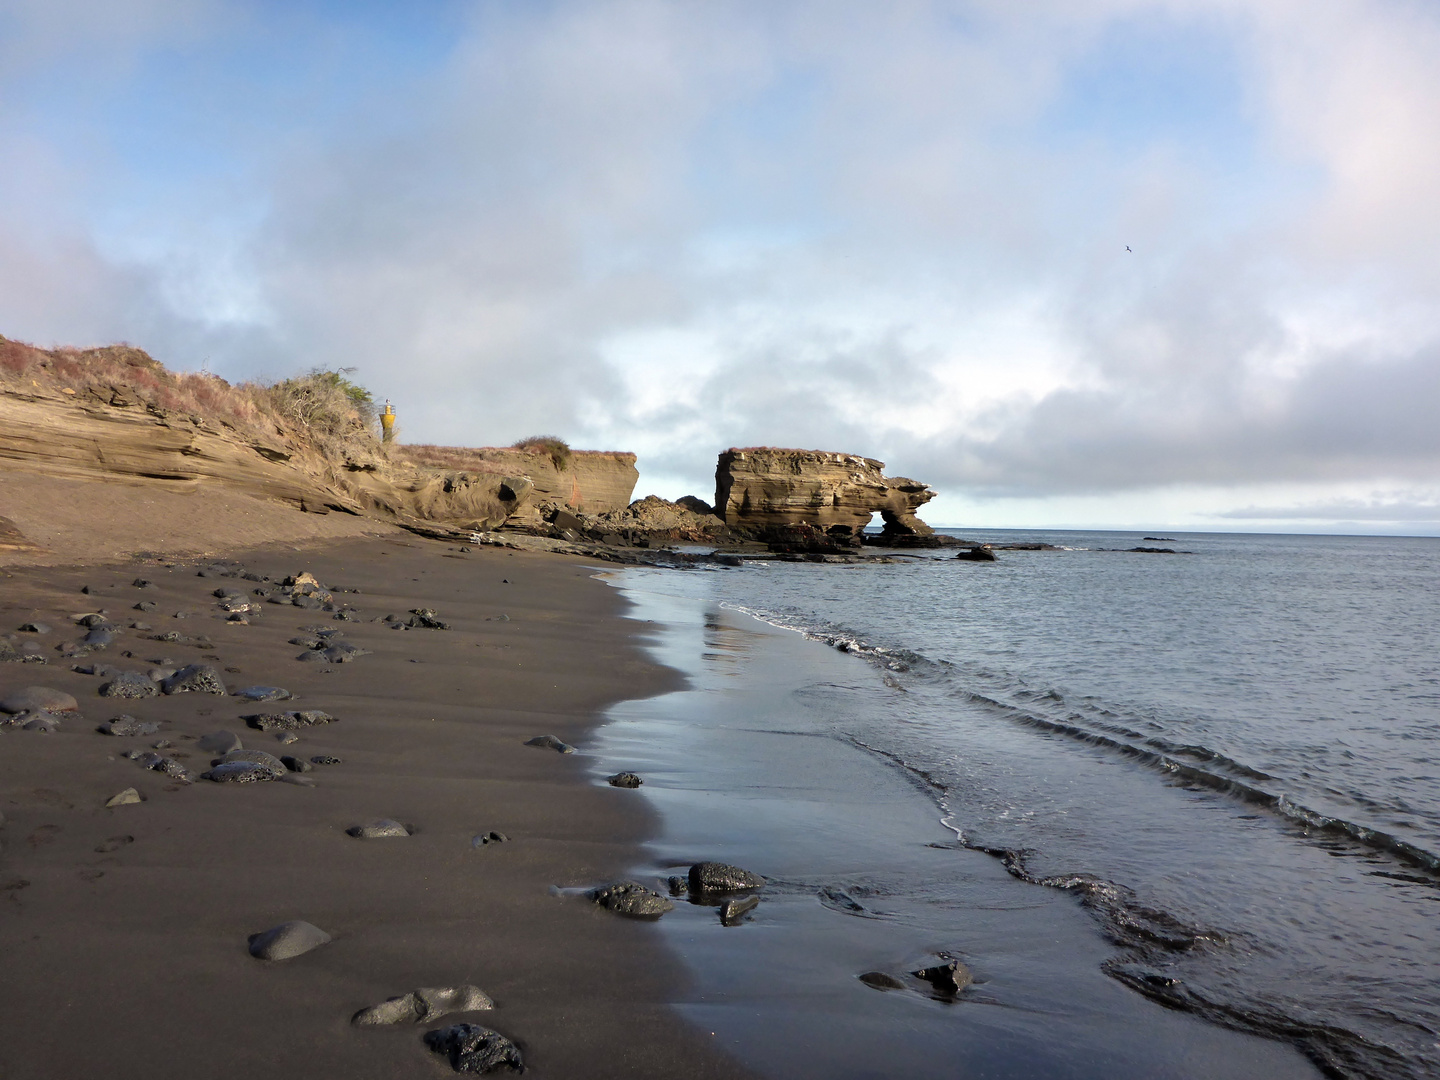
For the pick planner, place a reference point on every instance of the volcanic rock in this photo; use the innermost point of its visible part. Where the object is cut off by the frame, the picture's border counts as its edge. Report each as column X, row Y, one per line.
column 195, row 679
column 721, row 877
column 252, row 757
column 475, row 1049
column 631, row 899
column 129, row 684
column 732, row 910
column 284, row 721
column 975, row 554
column 128, row 726
column 948, row 978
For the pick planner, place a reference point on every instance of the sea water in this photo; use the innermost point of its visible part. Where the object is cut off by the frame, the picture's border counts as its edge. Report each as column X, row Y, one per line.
column 1228, row 756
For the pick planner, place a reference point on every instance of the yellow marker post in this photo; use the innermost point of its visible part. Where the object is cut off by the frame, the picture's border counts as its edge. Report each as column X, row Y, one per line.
column 387, row 423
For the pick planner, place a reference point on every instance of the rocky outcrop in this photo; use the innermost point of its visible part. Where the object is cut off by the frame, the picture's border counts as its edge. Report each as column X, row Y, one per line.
column 761, row 489
column 587, row 482
column 116, row 414
column 82, row 437
column 657, row 520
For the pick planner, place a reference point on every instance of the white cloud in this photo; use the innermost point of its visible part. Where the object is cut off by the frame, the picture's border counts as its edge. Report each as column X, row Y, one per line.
column 893, row 229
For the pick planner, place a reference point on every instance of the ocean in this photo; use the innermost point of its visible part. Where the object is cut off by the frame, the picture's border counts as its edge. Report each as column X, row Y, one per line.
column 1223, row 764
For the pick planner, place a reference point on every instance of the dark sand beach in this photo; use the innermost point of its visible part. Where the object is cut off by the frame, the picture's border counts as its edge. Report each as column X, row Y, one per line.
column 123, row 931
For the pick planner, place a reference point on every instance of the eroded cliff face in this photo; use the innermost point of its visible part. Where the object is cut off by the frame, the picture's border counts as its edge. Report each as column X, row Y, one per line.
column 589, row 482
column 765, row 488
column 114, row 414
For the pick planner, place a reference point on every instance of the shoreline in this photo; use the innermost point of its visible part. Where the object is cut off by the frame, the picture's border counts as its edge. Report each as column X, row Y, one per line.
column 130, row 924
column 750, row 763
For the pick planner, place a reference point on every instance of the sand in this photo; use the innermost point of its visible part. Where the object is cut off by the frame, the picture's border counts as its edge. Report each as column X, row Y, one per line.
column 60, row 520
column 123, row 932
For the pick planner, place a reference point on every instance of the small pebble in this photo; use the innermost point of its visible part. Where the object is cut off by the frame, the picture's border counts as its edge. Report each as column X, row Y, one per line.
column 550, row 742
column 287, row 940
column 377, row 830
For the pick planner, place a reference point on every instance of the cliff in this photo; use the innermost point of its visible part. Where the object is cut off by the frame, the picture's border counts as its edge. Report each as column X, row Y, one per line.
column 762, row 489
column 116, row 418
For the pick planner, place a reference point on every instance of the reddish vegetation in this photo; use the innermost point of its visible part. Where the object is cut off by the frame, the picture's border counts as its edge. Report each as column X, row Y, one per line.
column 122, row 367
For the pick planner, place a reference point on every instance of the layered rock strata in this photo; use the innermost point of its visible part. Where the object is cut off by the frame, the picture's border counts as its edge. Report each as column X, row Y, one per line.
column 759, row 490
column 102, row 426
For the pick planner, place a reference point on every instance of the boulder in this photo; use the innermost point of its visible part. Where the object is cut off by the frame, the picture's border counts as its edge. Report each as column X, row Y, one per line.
column 625, row 780
column 38, row 699
column 631, row 899
column 721, row 877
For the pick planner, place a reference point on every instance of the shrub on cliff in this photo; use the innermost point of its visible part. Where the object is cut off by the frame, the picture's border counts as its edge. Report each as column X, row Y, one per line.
column 325, row 403
column 555, row 447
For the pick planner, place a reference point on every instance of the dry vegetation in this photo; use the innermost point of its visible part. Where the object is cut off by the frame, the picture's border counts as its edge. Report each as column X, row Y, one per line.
column 456, row 458
column 322, row 408
column 554, row 447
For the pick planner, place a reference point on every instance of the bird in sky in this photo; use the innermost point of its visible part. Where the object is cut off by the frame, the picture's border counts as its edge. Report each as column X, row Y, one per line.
column 1127, row 248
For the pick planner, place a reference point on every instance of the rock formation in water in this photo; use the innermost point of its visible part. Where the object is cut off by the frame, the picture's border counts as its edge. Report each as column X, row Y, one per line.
column 761, row 490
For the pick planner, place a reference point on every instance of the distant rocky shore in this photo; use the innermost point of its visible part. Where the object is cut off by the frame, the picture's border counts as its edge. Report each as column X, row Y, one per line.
column 77, row 417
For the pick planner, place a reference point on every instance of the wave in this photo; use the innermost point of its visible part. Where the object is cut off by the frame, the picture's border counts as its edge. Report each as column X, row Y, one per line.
column 1190, row 763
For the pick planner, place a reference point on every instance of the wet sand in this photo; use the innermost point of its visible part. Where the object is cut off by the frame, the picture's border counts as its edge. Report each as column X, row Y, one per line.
column 749, row 763
column 123, row 932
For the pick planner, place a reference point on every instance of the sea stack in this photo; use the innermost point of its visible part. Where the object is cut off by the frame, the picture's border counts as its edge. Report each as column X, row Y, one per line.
column 764, row 487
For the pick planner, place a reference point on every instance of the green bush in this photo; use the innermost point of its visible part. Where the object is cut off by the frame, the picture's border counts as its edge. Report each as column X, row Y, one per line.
column 325, row 402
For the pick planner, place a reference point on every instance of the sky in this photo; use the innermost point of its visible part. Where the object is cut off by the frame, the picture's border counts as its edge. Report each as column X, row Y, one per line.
column 1107, row 263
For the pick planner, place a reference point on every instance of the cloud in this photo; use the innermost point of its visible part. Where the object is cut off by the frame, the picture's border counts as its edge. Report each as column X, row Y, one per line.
column 893, row 229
